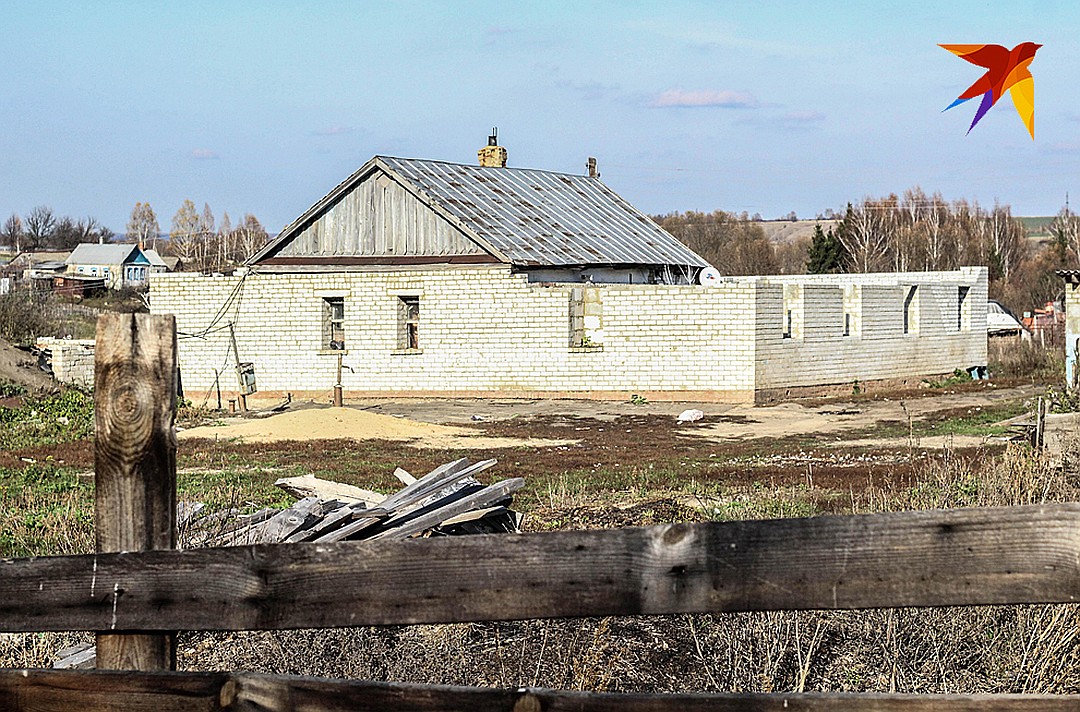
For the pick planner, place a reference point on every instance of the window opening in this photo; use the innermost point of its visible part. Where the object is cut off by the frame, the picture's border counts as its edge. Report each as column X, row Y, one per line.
column 961, row 298
column 847, row 324
column 787, row 324
column 409, row 308
column 334, row 323
column 909, row 310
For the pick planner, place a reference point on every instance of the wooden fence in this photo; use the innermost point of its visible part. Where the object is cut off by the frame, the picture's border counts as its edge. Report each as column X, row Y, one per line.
column 138, row 590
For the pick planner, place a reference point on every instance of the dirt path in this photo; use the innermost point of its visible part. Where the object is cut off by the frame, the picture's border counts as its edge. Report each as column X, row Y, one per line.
column 461, row 423
column 729, row 422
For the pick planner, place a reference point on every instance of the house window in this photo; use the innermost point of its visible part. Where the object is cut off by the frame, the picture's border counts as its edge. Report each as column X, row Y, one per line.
column 787, row 324
column 409, row 323
column 334, row 323
column 847, row 324
column 961, row 311
column 910, row 309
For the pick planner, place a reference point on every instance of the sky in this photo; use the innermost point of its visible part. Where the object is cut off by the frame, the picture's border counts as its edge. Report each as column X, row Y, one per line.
column 764, row 107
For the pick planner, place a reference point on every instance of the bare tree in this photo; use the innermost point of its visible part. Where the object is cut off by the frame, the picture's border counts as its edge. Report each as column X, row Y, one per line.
column 251, row 236
column 224, row 241
column 40, row 224
column 865, row 237
column 66, row 234
column 1006, row 241
column 1066, row 231
column 143, row 226
column 184, row 236
column 935, row 218
column 207, row 235
column 734, row 243
column 12, row 232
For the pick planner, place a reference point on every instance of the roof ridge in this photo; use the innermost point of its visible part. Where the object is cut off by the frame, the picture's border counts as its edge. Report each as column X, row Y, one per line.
column 487, row 168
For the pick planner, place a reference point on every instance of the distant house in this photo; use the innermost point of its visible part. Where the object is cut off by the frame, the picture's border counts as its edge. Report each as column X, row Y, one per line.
column 158, row 264
column 119, row 265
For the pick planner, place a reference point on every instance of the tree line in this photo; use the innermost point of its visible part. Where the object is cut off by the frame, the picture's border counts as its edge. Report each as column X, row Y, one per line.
column 195, row 238
column 912, row 231
column 42, row 229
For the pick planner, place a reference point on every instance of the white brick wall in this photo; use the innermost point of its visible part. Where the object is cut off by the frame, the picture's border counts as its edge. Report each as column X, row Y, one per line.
column 72, row 360
column 486, row 330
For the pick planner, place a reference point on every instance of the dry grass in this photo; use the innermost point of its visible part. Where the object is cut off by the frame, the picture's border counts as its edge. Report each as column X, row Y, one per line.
column 952, row 650
column 1030, row 648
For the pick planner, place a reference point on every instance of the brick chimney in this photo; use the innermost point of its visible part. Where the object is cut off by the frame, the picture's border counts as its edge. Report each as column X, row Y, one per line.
column 492, row 155
column 590, row 165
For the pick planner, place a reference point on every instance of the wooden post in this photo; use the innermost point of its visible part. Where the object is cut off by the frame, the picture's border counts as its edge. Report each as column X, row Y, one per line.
column 339, row 399
column 239, row 378
column 134, row 463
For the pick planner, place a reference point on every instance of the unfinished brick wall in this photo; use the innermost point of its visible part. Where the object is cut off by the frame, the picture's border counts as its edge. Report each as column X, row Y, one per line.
column 942, row 333
column 72, row 360
column 483, row 330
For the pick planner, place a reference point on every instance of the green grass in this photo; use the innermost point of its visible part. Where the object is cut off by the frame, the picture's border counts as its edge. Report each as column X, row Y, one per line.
column 45, row 510
column 981, row 422
column 47, row 420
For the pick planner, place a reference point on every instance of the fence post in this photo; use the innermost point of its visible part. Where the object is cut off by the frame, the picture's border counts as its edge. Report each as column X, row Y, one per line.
column 135, row 462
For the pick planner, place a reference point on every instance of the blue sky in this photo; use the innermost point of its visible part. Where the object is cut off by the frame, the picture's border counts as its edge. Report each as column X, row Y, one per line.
column 764, row 107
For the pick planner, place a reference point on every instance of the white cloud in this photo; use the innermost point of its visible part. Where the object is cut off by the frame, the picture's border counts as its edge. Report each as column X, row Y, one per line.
column 205, row 154
column 724, row 99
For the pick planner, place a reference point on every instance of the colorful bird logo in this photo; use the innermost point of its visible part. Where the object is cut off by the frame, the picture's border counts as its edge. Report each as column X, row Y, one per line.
column 1006, row 70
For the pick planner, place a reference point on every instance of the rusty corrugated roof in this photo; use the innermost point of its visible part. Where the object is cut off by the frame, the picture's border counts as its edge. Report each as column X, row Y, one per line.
column 528, row 217
column 536, row 217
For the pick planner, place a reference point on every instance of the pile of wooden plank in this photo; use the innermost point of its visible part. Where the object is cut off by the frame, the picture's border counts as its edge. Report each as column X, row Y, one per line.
column 446, row 501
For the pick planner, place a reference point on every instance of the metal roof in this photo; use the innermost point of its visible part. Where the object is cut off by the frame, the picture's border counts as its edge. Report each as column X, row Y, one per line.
column 525, row 216
column 92, row 253
column 154, row 258
column 539, row 217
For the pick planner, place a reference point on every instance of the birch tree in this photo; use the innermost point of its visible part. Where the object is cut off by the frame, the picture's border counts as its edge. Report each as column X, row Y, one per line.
column 143, row 227
column 184, row 236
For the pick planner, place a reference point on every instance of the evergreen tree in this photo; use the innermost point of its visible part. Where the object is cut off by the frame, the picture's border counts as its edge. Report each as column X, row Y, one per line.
column 827, row 254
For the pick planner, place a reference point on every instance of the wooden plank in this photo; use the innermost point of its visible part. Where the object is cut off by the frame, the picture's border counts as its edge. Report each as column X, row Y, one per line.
column 287, row 521
column 477, row 500
column 414, row 495
column 934, row 558
column 78, row 657
column 359, row 525
column 425, row 482
column 312, row 486
column 105, row 691
column 134, row 465
column 473, row 515
column 332, row 520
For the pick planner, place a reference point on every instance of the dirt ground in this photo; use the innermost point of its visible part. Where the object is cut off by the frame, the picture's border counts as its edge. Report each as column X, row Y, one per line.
column 19, row 367
column 450, row 423
column 357, row 424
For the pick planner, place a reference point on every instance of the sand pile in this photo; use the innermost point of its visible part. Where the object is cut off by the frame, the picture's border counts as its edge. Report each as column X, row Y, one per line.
column 352, row 424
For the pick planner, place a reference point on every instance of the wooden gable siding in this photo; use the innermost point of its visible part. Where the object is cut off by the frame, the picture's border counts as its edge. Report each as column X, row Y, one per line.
column 379, row 217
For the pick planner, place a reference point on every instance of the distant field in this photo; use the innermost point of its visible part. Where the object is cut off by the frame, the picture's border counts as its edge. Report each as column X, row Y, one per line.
column 1037, row 227
column 788, row 231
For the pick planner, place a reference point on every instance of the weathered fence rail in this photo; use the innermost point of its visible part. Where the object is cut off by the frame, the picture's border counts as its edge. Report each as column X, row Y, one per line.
column 137, row 590
column 98, row 691
column 962, row 557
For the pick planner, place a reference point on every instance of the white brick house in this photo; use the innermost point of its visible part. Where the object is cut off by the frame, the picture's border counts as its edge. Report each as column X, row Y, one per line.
column 430, row 278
